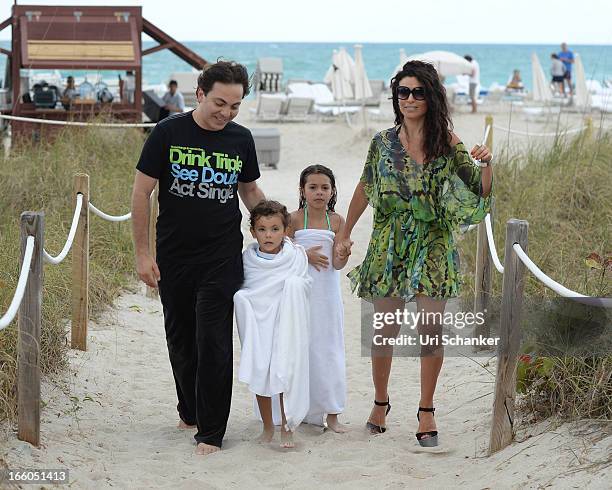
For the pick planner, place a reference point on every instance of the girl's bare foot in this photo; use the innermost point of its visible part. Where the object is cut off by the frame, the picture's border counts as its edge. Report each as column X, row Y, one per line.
column 183, row 425
column 333, row 424
column 206, row 449
column 378, row 416
column 267, row 435
column 286, row 439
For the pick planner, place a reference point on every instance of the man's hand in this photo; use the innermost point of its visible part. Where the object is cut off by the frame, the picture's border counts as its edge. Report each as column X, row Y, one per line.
column 316, row 259
column 147, row 270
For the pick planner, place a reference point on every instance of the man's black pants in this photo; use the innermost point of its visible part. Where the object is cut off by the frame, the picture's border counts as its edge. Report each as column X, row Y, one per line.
column 198, row 314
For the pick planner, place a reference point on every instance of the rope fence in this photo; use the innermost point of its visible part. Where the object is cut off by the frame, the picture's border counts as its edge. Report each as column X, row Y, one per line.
column 27, row 300
column 55, row 122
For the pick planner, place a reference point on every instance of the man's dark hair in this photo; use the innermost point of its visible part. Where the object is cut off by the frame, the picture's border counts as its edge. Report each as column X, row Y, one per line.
column 227, row 72
column 173, row 82
column 468, row 57
column 269, row 208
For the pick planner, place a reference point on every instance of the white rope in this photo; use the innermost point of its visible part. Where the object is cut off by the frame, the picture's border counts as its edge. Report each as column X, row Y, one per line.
column 492, row 249
column 527, row 133
column 77, row 123
column 73, row 227
column 108, row 217
column 548, row 282
column 21, row 284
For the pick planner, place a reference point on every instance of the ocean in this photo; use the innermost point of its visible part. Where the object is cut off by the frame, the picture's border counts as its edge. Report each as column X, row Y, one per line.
column 311, row 60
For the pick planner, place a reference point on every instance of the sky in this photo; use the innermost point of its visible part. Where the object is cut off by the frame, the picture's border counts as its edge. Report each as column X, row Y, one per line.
column 367, row 21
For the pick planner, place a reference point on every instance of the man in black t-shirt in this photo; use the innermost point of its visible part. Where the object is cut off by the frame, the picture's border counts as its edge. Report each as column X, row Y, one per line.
column 203, row 162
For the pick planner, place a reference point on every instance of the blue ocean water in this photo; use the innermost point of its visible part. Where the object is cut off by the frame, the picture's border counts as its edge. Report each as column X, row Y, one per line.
column 311, row 60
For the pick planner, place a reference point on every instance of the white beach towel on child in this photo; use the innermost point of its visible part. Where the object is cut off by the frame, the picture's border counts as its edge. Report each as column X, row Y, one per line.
column 272, row 313
column 326, row 355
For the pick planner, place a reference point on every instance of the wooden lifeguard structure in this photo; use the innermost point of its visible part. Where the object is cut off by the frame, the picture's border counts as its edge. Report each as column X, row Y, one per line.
column 81, row 38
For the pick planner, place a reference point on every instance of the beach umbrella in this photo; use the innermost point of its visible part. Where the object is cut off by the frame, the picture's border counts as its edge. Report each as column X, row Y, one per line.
column 346, row 63
column 338, row 78
column 540, row 84
column 446, row 63
column 582, row 97
column 403, row 57
column 361, row 83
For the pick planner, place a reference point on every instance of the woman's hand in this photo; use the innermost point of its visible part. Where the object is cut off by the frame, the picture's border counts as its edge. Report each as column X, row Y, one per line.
column 316, row 259
column 481, row 153
column 343, row 247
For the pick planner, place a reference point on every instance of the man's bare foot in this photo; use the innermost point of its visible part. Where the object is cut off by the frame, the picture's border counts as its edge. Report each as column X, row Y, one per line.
column 267, row 435
column 183, row 425
column 286, row 439
column 206, row 449
column 333, row 424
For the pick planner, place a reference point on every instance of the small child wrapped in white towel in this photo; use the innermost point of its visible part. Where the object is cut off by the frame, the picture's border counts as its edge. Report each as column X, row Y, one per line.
column 272, row 313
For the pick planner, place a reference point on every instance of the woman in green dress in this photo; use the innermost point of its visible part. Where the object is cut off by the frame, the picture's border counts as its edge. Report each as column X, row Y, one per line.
column 422, row 184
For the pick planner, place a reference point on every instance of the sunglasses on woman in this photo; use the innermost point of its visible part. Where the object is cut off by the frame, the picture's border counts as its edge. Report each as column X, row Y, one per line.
column 403, row 93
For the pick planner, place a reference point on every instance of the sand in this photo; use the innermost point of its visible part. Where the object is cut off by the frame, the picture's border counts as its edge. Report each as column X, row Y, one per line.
column 111, row 420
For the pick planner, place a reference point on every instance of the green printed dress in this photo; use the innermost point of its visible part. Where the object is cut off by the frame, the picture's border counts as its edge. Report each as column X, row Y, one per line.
column 416, row 210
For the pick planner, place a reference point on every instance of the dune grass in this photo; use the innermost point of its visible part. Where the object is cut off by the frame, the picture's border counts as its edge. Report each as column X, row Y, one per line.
column 41, row 178
column 564, row 194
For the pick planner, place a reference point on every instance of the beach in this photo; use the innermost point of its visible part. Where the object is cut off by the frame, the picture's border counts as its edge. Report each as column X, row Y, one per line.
column 111, row 419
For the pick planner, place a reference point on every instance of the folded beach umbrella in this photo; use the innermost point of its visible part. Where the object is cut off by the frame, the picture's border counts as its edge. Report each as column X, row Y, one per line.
column 403, row 57
column 446, row 63
column 582, row 97
column 361, row 83
column 339, row 76
column 540, row 84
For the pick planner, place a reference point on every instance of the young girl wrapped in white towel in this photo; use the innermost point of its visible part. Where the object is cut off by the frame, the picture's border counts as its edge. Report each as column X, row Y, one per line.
column 272, row 313
column 314, row 226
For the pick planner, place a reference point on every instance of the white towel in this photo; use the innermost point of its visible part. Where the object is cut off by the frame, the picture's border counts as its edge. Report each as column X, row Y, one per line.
column 326, row 353
column 272, row 314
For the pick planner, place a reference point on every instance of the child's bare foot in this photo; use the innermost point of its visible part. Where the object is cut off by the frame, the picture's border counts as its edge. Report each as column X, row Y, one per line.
column 333, row 424
column 206, row 449
column 286, row 439
column 183, row 425
column 267, row 435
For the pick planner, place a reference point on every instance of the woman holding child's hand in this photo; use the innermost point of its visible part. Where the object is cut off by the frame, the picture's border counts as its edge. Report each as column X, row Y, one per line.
column 422, row 184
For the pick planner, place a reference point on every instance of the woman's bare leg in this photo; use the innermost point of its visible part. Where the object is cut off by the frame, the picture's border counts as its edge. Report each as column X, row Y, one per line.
column 432, row 357
column 382, row 357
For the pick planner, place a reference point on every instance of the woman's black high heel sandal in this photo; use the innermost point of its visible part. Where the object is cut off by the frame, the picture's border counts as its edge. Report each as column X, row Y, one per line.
column 432, row 440
column 377, row 429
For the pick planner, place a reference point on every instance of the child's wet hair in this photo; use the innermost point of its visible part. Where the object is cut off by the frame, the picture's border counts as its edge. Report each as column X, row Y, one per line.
column 318, row 169
column 269, row 208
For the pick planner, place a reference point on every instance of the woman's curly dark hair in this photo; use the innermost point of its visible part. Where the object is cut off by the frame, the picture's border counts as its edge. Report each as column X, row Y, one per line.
column 438, row 125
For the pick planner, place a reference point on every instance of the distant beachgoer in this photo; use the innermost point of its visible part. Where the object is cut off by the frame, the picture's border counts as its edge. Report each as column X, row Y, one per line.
column 474, row 81
column 272, row 316
column 558, row 72
column 516, row 82
column 173, row 99
column 567, row 57
column 70, row 92
column 315, row 226
column 422, row 183
column 203, row 162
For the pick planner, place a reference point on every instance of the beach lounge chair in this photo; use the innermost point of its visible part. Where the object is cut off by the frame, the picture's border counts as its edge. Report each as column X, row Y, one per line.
column 378, row 88
column 269, row 107
column 269, row 75
column 298, row 108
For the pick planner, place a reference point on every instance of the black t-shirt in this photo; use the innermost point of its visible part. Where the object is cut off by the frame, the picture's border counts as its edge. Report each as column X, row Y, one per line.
column 198, row 173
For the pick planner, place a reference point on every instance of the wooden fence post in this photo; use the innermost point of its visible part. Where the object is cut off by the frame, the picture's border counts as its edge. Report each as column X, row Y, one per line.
column 80, row 268
column 154, row 212
column 483, row 276
column 510, row 336
column 29, row 320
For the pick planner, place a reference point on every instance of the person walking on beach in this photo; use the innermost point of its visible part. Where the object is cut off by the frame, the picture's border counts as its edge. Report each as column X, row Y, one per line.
column 422, row 183
column 315, row 225
column 474, row 81
column 567, row 57
column 202, row 162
